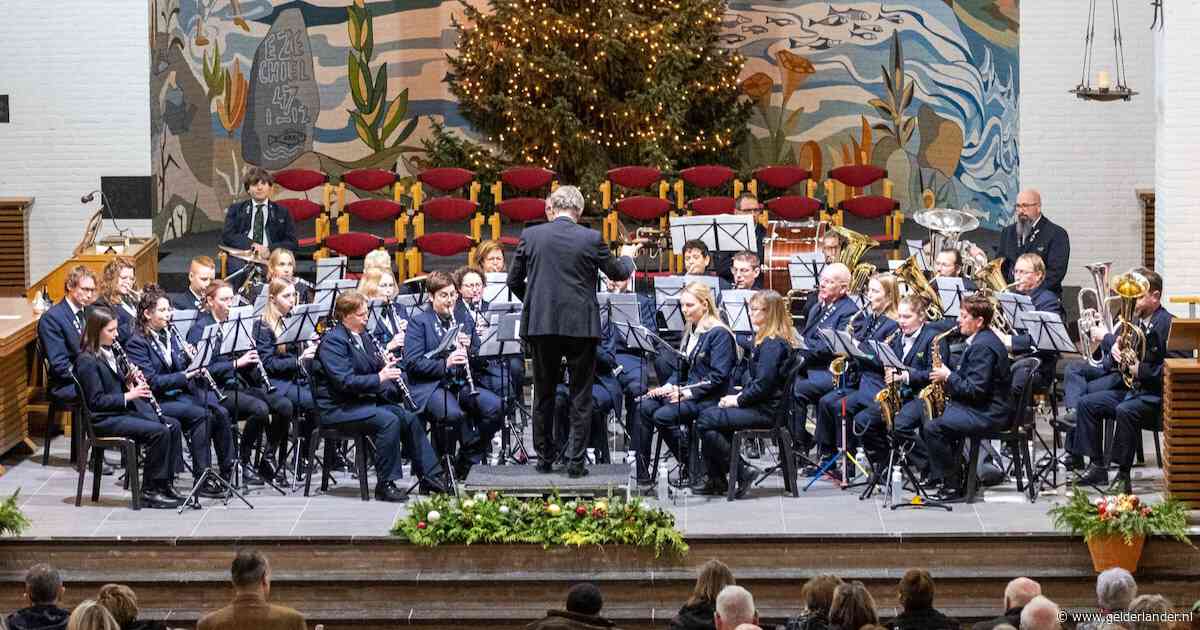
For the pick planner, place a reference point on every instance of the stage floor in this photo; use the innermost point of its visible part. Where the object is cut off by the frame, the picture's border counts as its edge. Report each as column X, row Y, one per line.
column 48, row 494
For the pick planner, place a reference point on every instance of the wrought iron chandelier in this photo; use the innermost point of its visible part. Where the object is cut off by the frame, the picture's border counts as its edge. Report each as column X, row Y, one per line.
column 1105, row 89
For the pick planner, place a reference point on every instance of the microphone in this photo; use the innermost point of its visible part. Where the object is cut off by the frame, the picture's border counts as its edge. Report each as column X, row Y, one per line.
column 88, row 197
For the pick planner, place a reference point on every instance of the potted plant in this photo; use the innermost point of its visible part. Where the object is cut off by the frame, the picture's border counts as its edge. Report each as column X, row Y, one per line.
column 1115, row 528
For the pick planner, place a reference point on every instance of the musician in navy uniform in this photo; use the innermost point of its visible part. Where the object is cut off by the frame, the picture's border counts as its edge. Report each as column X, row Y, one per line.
column 61, row 327
column 1030, row 273
column 354, row 388
column 977, row 393
column 697, row 260
column 116, row 293
column 747, row 272
column 832, row 310
column 201, row 271
column 1033, row 233
column 948, row 264
column 633, row 375
column 912, row 346
column 723, row 262
column 554, row 273
column 257, row 223
column 1134, row 408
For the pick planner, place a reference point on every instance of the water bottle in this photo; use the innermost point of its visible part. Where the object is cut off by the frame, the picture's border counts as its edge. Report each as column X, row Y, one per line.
column 663, row 486
column 897, row 483
column 861, row 458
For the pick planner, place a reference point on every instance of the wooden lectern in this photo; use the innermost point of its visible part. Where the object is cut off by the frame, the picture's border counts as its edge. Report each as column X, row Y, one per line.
column 1181, row 414
column 143, row 253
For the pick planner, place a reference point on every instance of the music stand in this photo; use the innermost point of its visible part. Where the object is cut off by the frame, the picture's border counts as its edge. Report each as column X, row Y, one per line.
column 843, row 344
column 804, row 270
column 331, row 269
column 495, row 288
column 950, row 292
column 720, row 233
column 666, row 300
column 326, row 293
column 413, row 303
column 500, row 342
column 916, row 248
column 736, row 305
column 1015, row 305
column 236, row 336
column 182, row 321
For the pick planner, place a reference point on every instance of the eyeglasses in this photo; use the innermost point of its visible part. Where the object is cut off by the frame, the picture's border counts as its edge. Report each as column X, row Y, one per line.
column 1026, row 206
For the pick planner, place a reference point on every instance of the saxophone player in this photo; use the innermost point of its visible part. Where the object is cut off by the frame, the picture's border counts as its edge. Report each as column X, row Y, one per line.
column 913, row 347
column 977, row 392
column 1132, row 407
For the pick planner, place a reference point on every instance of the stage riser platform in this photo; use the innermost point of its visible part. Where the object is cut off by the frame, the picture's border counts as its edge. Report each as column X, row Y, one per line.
column 381, row 582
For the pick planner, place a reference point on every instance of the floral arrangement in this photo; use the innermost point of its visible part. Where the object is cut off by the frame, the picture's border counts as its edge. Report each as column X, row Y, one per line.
column 489, row 517
column 12, row 519
column 1124, row 515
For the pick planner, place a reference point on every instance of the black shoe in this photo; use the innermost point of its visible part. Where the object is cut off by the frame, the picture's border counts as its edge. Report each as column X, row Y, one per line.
column 1093, row 476
column 462, row 469
column 1066, row 422
column 1122, row 484
column 106, row 469
column 1073, row 462
column 432, row 485
column 387, row 491
column 950, row 494
column 168, row 490
column 158, row 501
column 545, row 466
column 746, row 478
column 266, row 469
column 714, row 487
column 210, row 490
column 575, row 471
column 249, row 477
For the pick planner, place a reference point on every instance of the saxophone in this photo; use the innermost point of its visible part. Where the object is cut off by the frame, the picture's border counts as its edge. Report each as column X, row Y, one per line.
column 889, row 397
column 934, row 394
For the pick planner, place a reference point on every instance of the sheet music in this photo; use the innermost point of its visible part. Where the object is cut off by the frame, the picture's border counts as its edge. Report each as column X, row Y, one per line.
column 1014, row 304
column 884, row 354
column 495, row 288
column 721, row 233
column 736, row 305
column 182, row 321
column 331, row 269
column 666, row 300
column 950, row 292
column 805, row 270
column 1047, row 331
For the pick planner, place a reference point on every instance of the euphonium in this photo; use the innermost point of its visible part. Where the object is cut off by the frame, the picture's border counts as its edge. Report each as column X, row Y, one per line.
column 1099, row 313
column 915, row 279
column 990, row 275
column 889, row 397
column 856, row 245
column 1129, row 287
column 934, row 394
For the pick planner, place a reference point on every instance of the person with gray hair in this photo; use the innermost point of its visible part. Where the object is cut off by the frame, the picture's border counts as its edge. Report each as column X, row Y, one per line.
column 1115, row 589
column 43, row 589
column 1017, row 594
column 1040, row 614
column 251, row 576
column 735, row 606
column 554, row 273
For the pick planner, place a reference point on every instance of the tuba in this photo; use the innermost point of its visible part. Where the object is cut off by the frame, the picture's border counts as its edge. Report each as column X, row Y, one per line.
column 915, row 279
column 1099, row 312
column 1129, row 287
column 856, row 245
column 946, row 227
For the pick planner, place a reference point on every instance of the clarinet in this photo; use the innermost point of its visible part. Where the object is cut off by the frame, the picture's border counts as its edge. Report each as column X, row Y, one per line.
column 262, row 369
column 132, row 370
column 408, row 399
column 682, row 389
column 467, row 367
column 190, row 351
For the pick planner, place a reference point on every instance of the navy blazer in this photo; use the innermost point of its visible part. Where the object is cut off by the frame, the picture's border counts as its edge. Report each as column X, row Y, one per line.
column 1022, row 342
column 186, row 301
column 282, row 364
column 554, row 274
column 766, row 385
column 166, row 378
column 1149, row 375
column 918, row 360
column 125, row 320
column 280, row 229
column 834, row 317
column 981, row 380
column 871, row 327
column 389, row 323
column 60, row 341
column 346, row 385
column 711, row 360
column 1048, row 240
column 423, row 335
column 104, row 390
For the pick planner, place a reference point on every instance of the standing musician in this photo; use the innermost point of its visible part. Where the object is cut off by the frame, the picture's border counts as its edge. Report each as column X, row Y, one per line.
column 1133, row 408
column 283, row 363
column 554, row 273
column 442, row 385
column 257, row 223
column 977, row 393
column 1030, row 273
column 116, row 293
column 746, row 204
column 747, row 271
column 201, row 271
column 246, row 390
column 378, row 284
column 875, row 322
column 760, row 399
column 155, row 350
column 490, row 255
column 1033, row 233
column 710, row 353
column 355, row 389
column 60, row 329
column 117, row 403
column 832, row 310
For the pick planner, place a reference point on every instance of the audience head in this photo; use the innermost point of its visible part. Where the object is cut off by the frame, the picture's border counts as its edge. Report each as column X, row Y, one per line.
column 695, row 257
column 490, row 256
column 565, row 200
column 250, row 571
column 585, row 599
column 1019, row 592
column 817, row 593
column 852, row 607
column 735, row 606
column 745, row 269
column 90, row 615
column 200, row 273
column 916, row 590
column 121, row 602
column 43, row 585
column 1040, row 614
column 1151, row 604
column 714, row 576
column 81, row 286
column 1115, row 589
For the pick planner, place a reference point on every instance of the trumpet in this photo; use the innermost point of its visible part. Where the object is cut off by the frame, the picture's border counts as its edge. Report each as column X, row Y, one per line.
column 681, row 389
column 132, row 370
column 467, row 366
column 190, row 351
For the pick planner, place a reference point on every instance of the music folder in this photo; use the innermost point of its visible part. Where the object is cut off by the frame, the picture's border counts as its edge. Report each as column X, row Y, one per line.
column 841, row 342
column 1047, row 331
column 326, row 293
column 448, row 340
column 720, row 233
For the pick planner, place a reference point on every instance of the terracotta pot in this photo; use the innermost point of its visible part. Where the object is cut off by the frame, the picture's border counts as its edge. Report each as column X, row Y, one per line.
column 1111, row 551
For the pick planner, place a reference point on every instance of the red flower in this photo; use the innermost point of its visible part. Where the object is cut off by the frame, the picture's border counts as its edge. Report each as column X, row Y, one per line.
column 421, row 525
column 581, row 511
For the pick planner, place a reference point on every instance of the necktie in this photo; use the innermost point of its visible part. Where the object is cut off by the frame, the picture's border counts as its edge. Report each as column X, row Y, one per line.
column 260, row 222
column 79, row 321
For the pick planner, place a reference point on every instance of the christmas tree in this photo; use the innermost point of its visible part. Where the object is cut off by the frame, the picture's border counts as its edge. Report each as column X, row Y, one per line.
column 580, row 86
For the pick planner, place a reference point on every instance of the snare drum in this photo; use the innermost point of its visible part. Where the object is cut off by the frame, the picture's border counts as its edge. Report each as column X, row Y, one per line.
column 783, row 240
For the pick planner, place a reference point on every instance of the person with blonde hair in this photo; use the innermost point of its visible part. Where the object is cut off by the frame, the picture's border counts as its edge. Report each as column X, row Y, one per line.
column 286, row 365
column 116, row 292
column 761, row 396
column 710, row 354
column 90, row 615
column 282, row 264
column 697, row 613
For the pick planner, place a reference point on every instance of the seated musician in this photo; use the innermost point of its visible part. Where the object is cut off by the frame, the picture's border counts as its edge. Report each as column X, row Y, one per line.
column 697, row 262
column 257, row 223
column 912, row 347
column 632, row 375
column 496, row 373
column 283, row 363
column 378, row 284
column 863, row 378
column 948, row 264
column 490, row 255
column 116, row 293
column 201, row 271
column 246, row 395
column 606, row 398
column 760, row 400
column 977, row 393
column 1134, row 408
column 354, row 389
column 723, row 262
column 441, row 388
column 1030, row 273
column 118, row 406
column 710, row 354
column 831, row 310
column 746, row 271
column 185, row 395
column 282, row 264
column 831, row 245
column 61, row 327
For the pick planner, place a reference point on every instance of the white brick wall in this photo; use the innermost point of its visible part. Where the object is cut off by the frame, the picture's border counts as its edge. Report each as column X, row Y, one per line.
column 1087, row 158
column 77, row 76
column 1177, row 186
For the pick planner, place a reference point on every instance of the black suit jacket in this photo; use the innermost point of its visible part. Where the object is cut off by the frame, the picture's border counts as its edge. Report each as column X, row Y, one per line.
column 423, row 335
column 980, row 382
column 60, row 341
column 1150, row 368
column 1048, row 240
column 186, row 301
column 917, row 360
column 166, row 379
column 346, row 385
column 104, row 390
column 554, row 273
column 280, row 230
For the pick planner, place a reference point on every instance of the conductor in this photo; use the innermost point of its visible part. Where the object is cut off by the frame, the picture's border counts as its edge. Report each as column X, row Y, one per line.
column 554, row 272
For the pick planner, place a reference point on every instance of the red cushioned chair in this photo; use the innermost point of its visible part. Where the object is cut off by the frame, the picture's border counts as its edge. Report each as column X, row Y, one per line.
column 787, row 207
column 371, row 210
column 709, row 179
column 523, row 208
column 444, row 209
column 642, row 208
column 844, row 188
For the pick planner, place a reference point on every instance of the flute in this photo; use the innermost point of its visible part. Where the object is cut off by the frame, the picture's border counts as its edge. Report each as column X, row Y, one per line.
column 138, row 377
column 190, row 351
column 681, row 389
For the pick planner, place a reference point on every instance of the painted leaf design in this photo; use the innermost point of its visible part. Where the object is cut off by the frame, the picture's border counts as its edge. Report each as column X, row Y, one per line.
column 909, row 127
column 884, row 107
column 360, row 90
column 368, row 36
column 379, row 90
column 908, row 96
column 395, row 113
column 887, row 81
column 364, row 131
column 353, row 26
column 406, row 132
